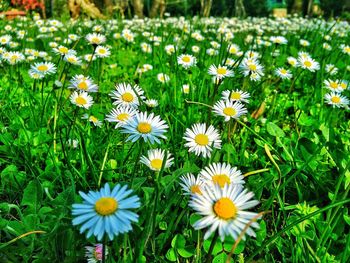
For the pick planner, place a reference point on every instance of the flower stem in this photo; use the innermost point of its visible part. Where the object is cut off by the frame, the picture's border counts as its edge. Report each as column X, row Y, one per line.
column 212, row 244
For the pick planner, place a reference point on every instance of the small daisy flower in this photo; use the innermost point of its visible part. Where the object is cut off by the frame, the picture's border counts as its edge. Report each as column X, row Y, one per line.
column 252, row 68
column 191, row 185
column 336, row 100
column 223, row 209
column 94, row 254
column 81, row 99
column 236, row 95
column 102, row 52
column 106, row 212
column 304, row 43
column 121, row 115
column 283, row 73
column 72, row 59
column 221, row 174
column 278, row 40
column 331, row 69
column 44, row 68
column 333, row 85
column 152, row 103
column 229, row 109
column 186, row 61
column 169, row 49
column 154, row 159
column 220, row 72
column 149, row 127
column 62, row 50
column 195, row 49
column 5, row 40
column 186, row 89
column 308, row 63
column 233, row 49
column 82, row 83
column 95, row 39
column 163, row 78
column 92, row 119
column 201, row 140
column 292, row 61
column 126, row 95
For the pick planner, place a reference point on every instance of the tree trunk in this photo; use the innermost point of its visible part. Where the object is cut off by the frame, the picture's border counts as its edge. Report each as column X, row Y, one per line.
column 138, row 7
column 157, row 5
column 205, row 7
column 121, row 6
column 75, row 6
column 310, row 8
column 239, row 8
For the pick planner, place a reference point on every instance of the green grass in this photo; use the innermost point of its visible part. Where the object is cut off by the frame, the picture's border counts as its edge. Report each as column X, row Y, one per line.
column 300, row 144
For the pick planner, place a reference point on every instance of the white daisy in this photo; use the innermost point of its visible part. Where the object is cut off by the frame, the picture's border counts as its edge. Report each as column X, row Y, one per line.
column 220, row 72
column 229, row 109
column 336, row 100
column 102, row 52
column 121, row 115
column 190, row 184
column 154, row 159
column 236, row 95
column 126, row 95
column 186, row 60
column 221, row 174
column 81, row 99
column 333, row 85
column 201, row 140
column 283, row 73
column 82, row 83
column 308, row 63
column 95, row 39
column 223, row 209
column 163, row 78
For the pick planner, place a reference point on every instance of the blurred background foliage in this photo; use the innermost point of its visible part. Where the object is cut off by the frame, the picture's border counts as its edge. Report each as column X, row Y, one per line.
column 187, row 8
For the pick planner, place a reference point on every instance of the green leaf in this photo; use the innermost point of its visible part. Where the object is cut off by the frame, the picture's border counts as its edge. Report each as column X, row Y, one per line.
column 221, row 258
column 217, row 247
column 163, row 225
column 274, row 130
column 186, row 252
column 171, row 255
column 178, row 241
column 33, row 195
column 194, row 218
column 261, row 233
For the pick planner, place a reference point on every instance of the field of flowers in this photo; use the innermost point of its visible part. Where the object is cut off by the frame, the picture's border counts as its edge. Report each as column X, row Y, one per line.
column 174, row 140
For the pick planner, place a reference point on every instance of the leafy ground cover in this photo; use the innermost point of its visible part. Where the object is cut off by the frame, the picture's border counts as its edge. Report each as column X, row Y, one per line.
column 233, row 136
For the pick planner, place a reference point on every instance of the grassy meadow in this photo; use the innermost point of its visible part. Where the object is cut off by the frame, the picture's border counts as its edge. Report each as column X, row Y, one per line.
column 232, row 135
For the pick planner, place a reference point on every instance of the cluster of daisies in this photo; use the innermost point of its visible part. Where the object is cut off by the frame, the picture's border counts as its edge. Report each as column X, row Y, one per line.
column 336, row 96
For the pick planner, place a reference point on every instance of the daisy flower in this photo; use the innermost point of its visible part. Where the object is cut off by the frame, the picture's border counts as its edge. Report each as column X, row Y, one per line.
column 278, row 40
column 102, row 52
column 186, row 61
column 251, row 67
column 44, row 68
column 190, row 184
column 186, row 89
column 220, row 72
column 72, row 59
column 333, row 85
column 126, row 95
column 95, row 39
column 223, row 209
column 163, row 78
column 336, row 100
column 236, row 95
column 233, row 49
column 195, row 49
column 121, row 115
column 149, row 127
column 92, row 119
column 229, row 109
column 82, row 83
column 94, row 254
column 152, row 103
column 292, row 61
column 4, row 40
column 81, row 99
column 154, row 159
column 283, row 73
column 331, row 69
column 169, row 49
column 106, row 211
column 62, row 50
column 308, row 63
column 221, row 174
column 201, row 140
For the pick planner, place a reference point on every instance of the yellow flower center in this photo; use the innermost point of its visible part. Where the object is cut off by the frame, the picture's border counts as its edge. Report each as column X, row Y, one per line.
column 335, row 99
column 195, row 189
column 95, row 40
column 80, row 100
column 144, row 127
column 72, row 59
column 156, row 164
column 186, row 59
column 225, row 208
column 235, row 95
column 307, row 64
column 102, row 51
column 233, row 50
column 343, row 85
column 201, row 139
column 221, row 179
column 122, row 116
column 283, row 71
column 63, row 50
column 127, row 97
column 82, row 85
column 106, row 206
column 252, row 67
column 333, row 85
column 93, row 119
column 42, row 68
column 347, row 49
column 229, row 111
column 222, row 71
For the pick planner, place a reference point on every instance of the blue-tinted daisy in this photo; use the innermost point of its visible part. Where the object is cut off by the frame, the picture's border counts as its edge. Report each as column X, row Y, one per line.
column 106, row 211
column 149, row 127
